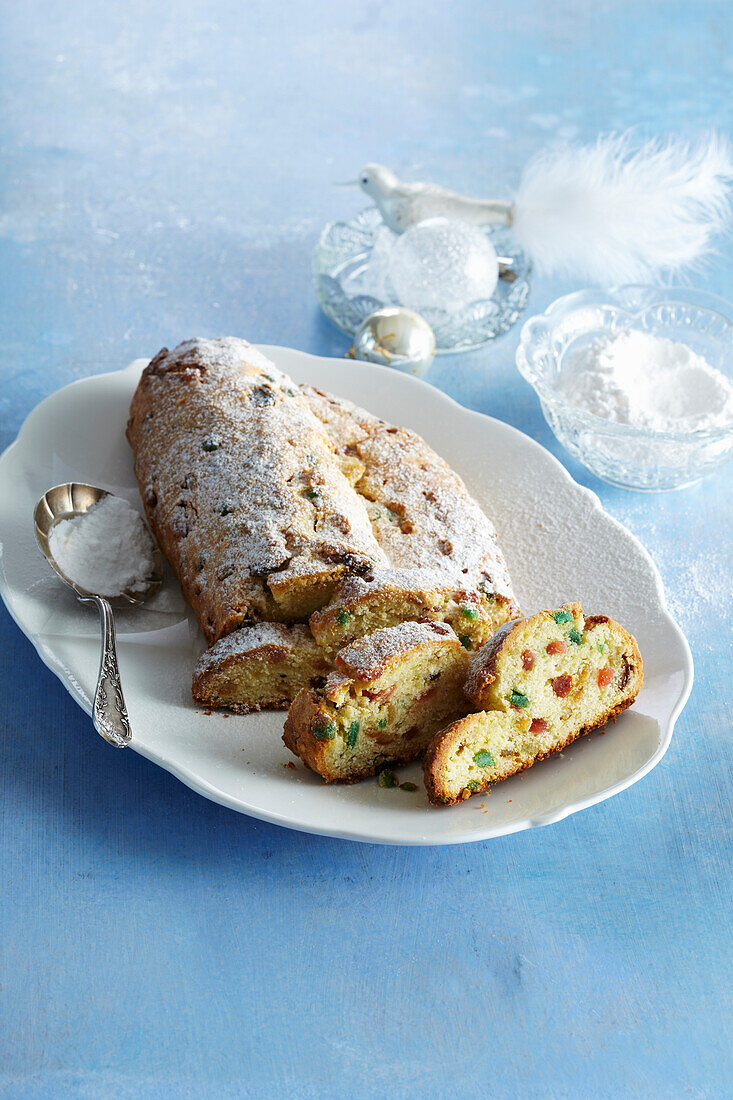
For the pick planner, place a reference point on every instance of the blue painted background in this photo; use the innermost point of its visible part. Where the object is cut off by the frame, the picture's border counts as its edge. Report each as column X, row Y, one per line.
column 166, row 169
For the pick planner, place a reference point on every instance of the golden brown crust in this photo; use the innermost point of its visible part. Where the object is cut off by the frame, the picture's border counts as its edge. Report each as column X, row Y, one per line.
column 445, row 741
column 258, row 667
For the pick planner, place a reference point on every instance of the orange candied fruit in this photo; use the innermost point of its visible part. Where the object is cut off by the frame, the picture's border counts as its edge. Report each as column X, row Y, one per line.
column 605, row 676
column 557, row 647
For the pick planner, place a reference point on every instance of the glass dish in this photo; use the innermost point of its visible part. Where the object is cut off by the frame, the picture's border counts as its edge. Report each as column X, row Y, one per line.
column 633, row 458
column 345, row 295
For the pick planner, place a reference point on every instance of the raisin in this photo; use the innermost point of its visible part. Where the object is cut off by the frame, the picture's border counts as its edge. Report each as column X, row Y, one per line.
column 262, row 396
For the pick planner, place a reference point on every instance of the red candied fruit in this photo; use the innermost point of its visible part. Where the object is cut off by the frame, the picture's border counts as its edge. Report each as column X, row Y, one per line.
column 527, row 660
column 539, row 725
column 561, row 685
column 557, row 647
column 605, row 676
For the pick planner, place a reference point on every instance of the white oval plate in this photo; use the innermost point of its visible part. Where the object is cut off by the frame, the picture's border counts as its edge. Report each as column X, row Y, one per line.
column 559, row 543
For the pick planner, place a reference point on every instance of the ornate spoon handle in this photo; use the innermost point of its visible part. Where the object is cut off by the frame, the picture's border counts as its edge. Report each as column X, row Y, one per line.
column 109, row 713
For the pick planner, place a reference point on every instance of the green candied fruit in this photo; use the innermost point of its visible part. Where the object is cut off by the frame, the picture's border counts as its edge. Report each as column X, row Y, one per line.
column 323, row 729
column 465, row 641
column 211, row 443
column 575, row 636
column 469, row 612
column 342, row 617
column 473, row 784
column 602, row 647
column 226, row 508
column 312, row 494
column 408, row 786
column 484, row 759
column 562, row 617
column 382, row 724
column 352, row 734
column 518, row 699
column 387, row 779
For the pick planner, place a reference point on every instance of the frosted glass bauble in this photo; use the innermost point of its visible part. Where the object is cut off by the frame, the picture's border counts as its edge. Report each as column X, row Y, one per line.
column 443, row 263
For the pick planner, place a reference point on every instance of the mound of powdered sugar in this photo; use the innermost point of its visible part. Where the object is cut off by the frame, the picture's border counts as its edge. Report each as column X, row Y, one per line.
column 107, row 550
column 648, row 382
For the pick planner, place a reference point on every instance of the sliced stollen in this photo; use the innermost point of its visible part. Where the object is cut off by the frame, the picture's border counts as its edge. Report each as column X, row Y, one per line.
column 362, row 605
column 258, row 667
column 392, row 690
column 542, row 681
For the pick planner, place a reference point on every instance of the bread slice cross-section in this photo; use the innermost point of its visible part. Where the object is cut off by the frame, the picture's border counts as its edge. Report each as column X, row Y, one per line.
column 392, row 690
column 541, row 683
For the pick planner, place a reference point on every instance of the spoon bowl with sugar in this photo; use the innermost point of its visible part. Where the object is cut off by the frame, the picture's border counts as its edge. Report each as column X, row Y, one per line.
column 101, row 548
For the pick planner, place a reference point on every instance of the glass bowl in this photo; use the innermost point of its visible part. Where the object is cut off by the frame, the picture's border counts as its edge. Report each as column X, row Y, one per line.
column 633, row 458
column 346, row 291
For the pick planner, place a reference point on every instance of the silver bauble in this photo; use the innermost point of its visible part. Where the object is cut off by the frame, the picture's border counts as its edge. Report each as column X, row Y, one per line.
column 395, row 337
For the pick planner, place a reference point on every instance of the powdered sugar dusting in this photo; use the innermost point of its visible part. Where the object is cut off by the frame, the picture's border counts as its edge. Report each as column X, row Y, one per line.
column 421, row 512
column 247, row 639
column 368, row 658
column 240, row 482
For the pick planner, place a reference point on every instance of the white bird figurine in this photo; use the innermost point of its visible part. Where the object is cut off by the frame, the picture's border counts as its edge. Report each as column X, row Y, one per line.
column 608, row 212
column 405, row 204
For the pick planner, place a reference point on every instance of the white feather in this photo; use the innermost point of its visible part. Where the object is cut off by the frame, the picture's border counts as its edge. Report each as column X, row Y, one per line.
column 610, row 213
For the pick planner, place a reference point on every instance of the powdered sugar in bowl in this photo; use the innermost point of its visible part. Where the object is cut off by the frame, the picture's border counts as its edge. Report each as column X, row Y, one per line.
column 636, row 382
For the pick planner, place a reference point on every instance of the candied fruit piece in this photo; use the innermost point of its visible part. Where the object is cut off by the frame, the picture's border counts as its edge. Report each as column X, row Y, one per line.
column 562, row 685
column 605, row 676
column 539, row 725
column 527, row 660
column 554, row 648
column 323, row 729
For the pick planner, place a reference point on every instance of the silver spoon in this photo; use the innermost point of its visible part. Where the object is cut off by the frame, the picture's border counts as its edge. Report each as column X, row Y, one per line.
column 109, row 712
